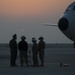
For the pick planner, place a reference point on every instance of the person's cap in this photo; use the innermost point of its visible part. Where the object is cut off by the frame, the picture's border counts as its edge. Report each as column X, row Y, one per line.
column 41, row 38
column 23, row 37
column 33, row 40
column 14, row 35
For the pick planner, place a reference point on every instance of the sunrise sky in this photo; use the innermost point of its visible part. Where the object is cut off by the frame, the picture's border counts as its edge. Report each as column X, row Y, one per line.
column 25, row 17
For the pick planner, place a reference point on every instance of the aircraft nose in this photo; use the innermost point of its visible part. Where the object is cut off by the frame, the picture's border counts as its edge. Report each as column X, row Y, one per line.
column 63, row 24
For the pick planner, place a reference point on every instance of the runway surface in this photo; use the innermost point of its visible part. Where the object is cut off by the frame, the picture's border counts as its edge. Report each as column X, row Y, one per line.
column 53, row 56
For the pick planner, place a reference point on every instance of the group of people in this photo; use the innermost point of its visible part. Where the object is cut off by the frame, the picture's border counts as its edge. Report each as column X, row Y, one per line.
column 22, row 46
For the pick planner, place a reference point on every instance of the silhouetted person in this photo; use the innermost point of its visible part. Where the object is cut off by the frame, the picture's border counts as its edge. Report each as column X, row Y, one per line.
column 34, row 53
column 23, row 48
column 13, row 50
column 41, row 48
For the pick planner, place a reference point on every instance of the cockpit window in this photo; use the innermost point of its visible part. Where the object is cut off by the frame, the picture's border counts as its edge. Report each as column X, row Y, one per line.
column 70, row 8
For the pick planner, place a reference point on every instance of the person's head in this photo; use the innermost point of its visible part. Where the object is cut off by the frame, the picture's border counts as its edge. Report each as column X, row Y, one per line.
column 15, row 36
column 33, row 40
column 23, row 37
column 41, row 38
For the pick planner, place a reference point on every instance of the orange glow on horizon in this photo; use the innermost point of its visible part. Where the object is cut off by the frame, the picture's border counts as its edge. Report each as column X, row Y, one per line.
column 30, row 7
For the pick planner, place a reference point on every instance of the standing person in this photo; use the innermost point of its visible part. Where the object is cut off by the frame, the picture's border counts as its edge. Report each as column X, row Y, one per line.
column 13, row 50
column 41, row 48
column 23, row 48
column 34, row 53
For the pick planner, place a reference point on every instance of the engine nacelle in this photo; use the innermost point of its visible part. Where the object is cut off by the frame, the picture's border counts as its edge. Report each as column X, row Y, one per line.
column 67, row 22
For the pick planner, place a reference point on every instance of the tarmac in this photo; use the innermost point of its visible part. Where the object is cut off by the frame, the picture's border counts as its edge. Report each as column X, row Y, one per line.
column 54, row 56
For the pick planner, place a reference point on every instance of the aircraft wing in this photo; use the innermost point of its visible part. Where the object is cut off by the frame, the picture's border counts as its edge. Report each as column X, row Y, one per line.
column 47, row 24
